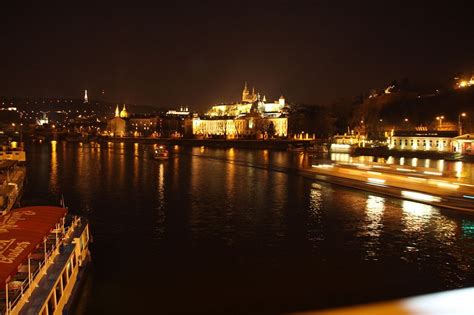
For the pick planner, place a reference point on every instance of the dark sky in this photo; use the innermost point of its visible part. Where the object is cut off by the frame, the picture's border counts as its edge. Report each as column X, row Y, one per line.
column 197, row 53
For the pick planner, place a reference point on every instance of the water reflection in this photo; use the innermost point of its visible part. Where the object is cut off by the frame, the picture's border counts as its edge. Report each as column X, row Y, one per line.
column 375, row 208
column 53, row 181
column 315, row 231
column 440, row 165
column 223, row 215
column 159, row 227
column 416, row 215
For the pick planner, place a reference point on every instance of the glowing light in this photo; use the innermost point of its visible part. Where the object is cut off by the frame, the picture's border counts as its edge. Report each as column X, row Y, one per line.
column 323, row 166
column 419, row 196
column 433, row 173
column 404, row 169
column 376, row 180
column 447, row 185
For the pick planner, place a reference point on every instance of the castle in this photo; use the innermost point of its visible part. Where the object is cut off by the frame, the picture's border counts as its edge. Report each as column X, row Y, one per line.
column 251, row 102
column 253, row 116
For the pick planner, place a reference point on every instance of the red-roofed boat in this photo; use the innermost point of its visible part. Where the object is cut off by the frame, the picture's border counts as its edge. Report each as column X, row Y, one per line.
column 43, row 251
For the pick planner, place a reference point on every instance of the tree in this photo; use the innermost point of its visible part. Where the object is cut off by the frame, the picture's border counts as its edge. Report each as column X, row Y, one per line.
column 271, row 130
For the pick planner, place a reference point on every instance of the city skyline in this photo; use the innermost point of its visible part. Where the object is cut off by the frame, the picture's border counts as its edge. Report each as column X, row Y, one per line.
column 199, row 55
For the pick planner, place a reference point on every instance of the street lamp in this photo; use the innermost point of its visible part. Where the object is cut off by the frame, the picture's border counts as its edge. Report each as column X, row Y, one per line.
column 460, row 123
column 440, row 118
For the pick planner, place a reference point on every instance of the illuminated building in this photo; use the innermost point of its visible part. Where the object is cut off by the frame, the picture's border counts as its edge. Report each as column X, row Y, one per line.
column 463, row 83
column 142, row 125
column 240, row 127
column 43, row 120
column 117, row 126
column 86, row 100
column 347, row 143
column 435, row 140
column 464, row 144
column 252, row 117
column 182, row 112
column 250, row 102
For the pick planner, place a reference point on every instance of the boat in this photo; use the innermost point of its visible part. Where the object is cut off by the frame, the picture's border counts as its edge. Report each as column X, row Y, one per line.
column 43, row 255
column 296, row 147
column 160, row 153
column 12, row 176
column 12, row 179
column 419, row 184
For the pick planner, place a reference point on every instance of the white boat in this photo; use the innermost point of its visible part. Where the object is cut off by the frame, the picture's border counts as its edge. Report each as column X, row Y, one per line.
column 160, row 153
column 419, row 184
column 43, row 253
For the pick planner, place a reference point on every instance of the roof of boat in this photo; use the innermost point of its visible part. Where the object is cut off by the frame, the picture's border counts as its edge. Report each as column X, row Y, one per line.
column 21, row 231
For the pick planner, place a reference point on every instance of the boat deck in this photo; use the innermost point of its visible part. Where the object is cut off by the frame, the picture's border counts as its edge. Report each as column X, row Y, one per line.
column 53, row 273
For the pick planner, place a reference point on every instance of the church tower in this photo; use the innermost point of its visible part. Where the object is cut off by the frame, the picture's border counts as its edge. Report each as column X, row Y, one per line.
column 245, row 93
column 281, row 101
column 117, row 111
column 123, row 113
column 86, row 99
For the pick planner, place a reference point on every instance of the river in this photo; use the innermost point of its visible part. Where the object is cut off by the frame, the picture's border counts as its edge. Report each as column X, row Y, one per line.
column 238, row 231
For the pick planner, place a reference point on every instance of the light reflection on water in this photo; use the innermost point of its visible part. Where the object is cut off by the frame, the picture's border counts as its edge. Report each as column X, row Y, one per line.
column 375, row 208
column 227, row 210
column 416, row 215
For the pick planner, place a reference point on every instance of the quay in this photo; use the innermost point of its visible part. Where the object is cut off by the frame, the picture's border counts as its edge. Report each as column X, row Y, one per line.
column 275, row 144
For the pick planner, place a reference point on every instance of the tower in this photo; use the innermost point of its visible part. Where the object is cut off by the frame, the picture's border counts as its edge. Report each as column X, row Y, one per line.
column 86, row 100
column 117, row 111
column 123, row 113
column 245, row 93
column 281, row 101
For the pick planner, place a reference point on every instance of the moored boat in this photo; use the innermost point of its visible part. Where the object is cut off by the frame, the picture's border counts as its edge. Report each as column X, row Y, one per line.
column 12, row 178
column 160, row 153
column 43, row 252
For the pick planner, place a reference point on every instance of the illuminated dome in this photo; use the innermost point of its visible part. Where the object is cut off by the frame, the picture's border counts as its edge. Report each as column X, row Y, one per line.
column 123, row 112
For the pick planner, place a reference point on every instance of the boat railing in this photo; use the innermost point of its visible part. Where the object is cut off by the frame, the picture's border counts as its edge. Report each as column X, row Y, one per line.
column 51, row 244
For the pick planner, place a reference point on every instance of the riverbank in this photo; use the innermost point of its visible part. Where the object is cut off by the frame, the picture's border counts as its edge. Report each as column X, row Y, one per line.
column 272, row 144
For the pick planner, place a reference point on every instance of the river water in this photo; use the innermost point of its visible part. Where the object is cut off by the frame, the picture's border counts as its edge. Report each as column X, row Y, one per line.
column 238, row 231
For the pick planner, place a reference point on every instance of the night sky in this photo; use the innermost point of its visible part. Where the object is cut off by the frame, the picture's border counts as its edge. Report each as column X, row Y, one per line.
column 199, row 53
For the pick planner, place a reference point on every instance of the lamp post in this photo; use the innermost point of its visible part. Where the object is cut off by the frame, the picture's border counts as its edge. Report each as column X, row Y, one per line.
column 440, row 118
column 460, row 123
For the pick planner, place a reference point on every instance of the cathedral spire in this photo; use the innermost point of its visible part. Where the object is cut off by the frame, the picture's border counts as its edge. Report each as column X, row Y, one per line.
column 117, row 111
column 86, row 99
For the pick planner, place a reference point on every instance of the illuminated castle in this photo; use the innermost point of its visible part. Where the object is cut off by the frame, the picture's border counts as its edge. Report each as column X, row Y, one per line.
column 246, row 96
column 251, row 102
column 252, row 117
